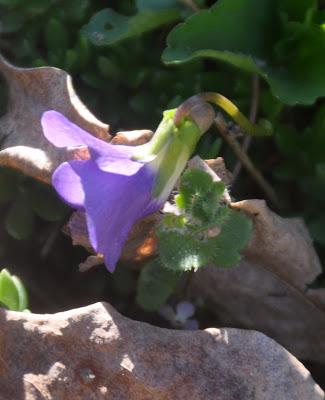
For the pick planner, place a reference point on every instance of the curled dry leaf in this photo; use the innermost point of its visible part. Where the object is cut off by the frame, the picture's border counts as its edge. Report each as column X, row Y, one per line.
column 31, row 92
column 132, row 138
column 268, row 291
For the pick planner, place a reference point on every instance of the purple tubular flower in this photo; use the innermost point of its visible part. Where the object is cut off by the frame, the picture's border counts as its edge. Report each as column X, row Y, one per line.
column 114, row 188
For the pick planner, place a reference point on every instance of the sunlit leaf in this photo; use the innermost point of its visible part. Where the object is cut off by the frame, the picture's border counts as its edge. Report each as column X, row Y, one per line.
column 287, row 53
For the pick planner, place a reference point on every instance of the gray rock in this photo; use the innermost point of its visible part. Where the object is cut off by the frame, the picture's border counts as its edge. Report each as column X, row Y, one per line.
column 95, row 353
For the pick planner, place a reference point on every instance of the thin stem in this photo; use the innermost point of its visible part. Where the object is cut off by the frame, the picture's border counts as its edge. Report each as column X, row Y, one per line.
column 252, row 117
column 247, row 163
column 228, row 106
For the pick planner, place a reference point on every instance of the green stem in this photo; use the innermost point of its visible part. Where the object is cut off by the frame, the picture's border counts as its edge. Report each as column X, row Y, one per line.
column 229, row 107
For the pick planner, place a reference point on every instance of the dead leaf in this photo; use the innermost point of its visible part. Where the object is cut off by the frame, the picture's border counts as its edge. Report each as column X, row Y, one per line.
column 31, row 92
column 140, row 245
column 132, row 138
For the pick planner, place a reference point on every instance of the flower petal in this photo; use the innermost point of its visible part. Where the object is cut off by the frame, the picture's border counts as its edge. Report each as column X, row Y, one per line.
column 112, row 202
column 110, row 158
column 117, row 164
column 61, row 132
column 67, row 182
column 113, row 207
column 184, row 310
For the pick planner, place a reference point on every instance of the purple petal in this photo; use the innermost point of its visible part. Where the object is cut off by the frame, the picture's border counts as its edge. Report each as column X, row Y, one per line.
column 112, row 208
column 112, row 202
column 63, row 133
column 167, row 312
column 191, row 325
column 117, row 164
column 67, row 181
column 184, row 310
column 110, row 158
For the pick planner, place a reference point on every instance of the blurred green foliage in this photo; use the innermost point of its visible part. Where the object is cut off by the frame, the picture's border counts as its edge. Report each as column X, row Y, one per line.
column 116, row 53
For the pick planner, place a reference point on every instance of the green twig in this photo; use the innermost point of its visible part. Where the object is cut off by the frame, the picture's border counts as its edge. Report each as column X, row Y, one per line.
column 229, row 107
column 247, row 163
column 252, row 117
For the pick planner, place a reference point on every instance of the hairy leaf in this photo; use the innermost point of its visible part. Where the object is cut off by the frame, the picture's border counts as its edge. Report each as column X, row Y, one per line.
column 207, row 230
column 180, row 251
column 232, row 239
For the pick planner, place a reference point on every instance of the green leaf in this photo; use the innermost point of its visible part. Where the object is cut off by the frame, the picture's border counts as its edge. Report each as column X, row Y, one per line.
column 21, row 292
column 234, row 236
column 10, row 3
column 20, row 219
column 297, row 10
column 155, row 285
column 12, row 292
column 74, row 10
column 285, row 53
column 206, row 230
column 181, row 251
column 157, row 5
column 8, row 292
column 317, row 229
column 9, row 183
column 56, row 35
column 107, row 68
column 198, row 192
column 108, row 27
column 207, row 33
column 11, row 21
column 83, row 50
column 46, row 204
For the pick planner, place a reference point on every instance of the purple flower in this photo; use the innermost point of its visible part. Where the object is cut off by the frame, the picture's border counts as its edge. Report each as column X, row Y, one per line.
column 182, row 317
column 118, row 185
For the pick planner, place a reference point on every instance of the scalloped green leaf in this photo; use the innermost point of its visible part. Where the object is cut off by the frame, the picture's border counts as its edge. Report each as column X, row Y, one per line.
column 197, row 192
column 287, row 53
column 206, row 230
column 155, row 285
column 181, row 251
column 108, row 27
column 225, row 248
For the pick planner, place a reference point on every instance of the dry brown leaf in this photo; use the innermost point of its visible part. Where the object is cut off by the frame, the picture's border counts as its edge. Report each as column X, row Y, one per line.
column 140, row 245
column 31, row 92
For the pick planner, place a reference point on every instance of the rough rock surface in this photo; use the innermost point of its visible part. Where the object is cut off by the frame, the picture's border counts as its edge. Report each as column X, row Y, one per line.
column 95, row 353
